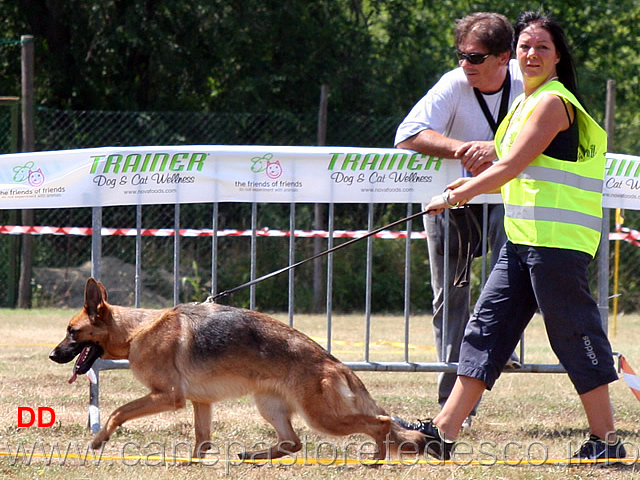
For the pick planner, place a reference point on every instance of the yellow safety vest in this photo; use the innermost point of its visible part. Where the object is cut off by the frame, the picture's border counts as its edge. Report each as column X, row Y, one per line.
column 555, row 203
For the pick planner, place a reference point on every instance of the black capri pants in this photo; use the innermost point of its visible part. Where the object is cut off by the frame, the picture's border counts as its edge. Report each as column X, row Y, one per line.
column 554, row 280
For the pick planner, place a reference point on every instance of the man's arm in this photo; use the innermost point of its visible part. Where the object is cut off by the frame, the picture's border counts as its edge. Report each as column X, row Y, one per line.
column 474, row 156
column 430, row 142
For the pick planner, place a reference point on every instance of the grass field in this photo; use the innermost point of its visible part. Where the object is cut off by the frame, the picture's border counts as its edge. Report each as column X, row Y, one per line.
column 528, row 419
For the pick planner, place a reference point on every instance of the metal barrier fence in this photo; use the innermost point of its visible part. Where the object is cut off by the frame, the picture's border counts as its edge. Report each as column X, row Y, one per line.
column 365, row 364
column 61, row 129
column 66, row 130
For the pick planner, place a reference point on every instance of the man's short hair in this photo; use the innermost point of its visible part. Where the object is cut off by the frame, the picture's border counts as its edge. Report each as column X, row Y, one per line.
column 493, row 30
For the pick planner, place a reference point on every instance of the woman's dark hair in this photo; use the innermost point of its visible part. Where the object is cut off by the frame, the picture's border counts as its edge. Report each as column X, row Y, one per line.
column 566, row 67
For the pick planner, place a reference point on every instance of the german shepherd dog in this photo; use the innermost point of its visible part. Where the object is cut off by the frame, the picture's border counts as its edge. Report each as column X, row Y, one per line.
column 207, row 352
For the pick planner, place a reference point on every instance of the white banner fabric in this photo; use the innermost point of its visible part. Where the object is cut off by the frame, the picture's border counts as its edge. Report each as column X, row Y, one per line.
column 111, row 176
column 621, row 182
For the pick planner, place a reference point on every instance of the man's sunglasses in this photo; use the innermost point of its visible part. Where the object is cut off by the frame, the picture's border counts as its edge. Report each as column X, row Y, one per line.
column 472, row 58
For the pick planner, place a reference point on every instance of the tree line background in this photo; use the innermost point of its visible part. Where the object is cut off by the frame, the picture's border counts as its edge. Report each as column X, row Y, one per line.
column 377, row 56
column 271, row 57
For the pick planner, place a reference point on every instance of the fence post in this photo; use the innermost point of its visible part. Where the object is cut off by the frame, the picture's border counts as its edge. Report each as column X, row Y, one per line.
column 292, row 260
column 603, row 251
column 317, row 221
column 14, row 243
column 24, row 289
column 138, row 271
column 329, row 295
column 176, row 254
column 96, row 242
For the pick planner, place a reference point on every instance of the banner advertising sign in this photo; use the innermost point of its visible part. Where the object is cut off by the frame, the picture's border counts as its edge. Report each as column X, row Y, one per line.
column 266, row 174
column 622, row 182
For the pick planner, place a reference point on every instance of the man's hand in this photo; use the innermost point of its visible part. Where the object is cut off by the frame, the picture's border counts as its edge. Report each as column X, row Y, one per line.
column 476, row 156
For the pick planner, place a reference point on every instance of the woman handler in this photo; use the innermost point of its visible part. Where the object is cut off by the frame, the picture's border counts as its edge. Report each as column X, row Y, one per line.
column 550, row 171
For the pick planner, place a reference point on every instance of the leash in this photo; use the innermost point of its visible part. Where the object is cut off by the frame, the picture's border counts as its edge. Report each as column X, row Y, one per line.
column 213, row 298
column 468, row 248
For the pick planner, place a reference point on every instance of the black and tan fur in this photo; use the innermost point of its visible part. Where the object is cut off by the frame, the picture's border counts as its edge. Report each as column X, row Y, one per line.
column 207, row 352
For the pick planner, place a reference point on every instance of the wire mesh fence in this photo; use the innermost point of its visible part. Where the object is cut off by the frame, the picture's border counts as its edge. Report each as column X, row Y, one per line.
column 60, row 130
column 68, row 256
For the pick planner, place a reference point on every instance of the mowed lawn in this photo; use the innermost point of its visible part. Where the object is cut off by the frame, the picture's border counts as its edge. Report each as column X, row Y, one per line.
column 525, row 426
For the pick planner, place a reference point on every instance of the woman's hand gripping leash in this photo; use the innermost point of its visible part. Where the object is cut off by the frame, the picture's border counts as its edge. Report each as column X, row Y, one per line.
column 439, row 203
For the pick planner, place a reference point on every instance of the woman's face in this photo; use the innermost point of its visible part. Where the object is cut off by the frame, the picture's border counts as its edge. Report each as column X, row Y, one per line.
column 537, row 55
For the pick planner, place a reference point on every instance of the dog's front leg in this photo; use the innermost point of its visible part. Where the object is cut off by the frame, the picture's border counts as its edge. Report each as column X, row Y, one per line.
column 148, row 405
column 202, row 425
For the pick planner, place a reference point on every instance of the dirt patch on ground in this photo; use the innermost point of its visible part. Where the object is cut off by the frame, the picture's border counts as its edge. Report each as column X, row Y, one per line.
column 64, row 287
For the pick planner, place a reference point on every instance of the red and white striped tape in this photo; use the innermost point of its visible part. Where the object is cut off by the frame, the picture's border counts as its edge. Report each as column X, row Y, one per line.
column 187, row 232
column 626, row 234
column 630, row 377
column 623, row 233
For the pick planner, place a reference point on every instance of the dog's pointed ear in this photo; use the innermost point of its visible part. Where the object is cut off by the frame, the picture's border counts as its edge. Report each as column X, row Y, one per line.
column 94, row 295
column 103, row 291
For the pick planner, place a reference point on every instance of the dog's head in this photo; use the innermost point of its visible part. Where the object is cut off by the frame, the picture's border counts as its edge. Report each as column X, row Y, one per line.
column 87, row 332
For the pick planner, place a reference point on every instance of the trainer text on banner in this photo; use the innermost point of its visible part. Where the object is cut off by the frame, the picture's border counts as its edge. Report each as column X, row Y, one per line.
column 193, row 174
column 268, row 174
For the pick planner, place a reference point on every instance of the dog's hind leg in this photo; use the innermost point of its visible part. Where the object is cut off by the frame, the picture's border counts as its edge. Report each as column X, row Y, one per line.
column 202, row 425
column 277, row 411
column 345, row 407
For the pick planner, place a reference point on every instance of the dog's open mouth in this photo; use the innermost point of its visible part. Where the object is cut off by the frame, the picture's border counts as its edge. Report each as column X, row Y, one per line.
column 88, row 355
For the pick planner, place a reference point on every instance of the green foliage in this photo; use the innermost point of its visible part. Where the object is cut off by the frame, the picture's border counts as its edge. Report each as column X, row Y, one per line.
column 377, row 56
column 194, row 286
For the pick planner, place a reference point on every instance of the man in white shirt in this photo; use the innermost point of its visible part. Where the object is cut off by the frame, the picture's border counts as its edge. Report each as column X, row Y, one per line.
column 456, row 120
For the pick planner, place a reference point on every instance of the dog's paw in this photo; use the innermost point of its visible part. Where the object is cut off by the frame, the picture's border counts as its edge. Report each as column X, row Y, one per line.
column 97, row 445
column 99, row 440
column 202, row 449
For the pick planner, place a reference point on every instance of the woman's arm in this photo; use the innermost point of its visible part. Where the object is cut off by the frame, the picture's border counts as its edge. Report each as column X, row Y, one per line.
column 548, row 118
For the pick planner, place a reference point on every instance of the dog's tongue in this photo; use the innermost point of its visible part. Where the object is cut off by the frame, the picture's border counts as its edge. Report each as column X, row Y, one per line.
column 81, row 358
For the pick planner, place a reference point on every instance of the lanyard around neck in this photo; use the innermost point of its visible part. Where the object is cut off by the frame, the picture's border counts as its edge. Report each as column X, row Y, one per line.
column 504, row 103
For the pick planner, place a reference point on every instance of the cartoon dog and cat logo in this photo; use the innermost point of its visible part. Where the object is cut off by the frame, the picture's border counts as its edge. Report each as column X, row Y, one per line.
column 273, row 169
column 26, row 173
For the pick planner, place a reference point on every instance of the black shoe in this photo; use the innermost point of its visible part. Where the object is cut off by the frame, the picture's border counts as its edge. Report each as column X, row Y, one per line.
column 436, row 446
column 597, row 449
column 417, row 425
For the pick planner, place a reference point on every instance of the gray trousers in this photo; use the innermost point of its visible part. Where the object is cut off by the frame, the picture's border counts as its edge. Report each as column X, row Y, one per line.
column 449, row 337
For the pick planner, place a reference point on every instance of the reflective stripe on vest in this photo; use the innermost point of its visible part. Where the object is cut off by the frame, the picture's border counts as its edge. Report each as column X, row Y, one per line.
column 553, row 215
column 562, row 177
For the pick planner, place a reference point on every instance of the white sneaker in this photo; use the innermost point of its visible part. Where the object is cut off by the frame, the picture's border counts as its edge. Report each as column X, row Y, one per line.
column 513, row 363
column 466, row 425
